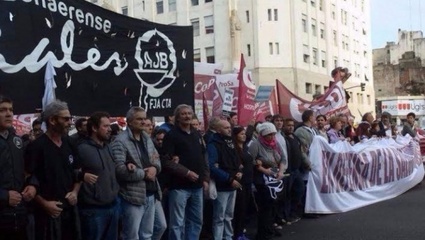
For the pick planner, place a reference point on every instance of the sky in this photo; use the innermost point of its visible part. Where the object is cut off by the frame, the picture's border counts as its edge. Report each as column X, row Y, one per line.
column 387, row 16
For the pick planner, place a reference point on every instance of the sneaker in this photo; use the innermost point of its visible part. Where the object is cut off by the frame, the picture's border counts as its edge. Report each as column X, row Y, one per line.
column 292, row 220
column 277, row 226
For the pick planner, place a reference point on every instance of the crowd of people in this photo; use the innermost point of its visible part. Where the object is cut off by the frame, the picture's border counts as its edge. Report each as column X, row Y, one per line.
column 171, row 181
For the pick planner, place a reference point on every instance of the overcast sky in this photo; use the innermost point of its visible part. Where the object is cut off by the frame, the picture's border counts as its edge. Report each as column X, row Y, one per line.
column 387, row 16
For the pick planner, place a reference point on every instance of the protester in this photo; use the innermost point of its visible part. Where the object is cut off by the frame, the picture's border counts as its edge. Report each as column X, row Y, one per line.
column 225, row 170
column 15, row 190
column 148, row 127
column 36, row 128
column 190, row 174
column 409, row 126
column 350, row 130
column 321, row 122
column 233, row 119
column 334, row 133
column 374, row 129
column 270, row 166
column 158, row 139
column 81, row 135
column 115, row 130
column 195, row 123
column 56, row 165
column 294, row 185
column 169, row 123
column 243, row 195
column 363, row 131
column 212, row 128
column 385, row 128
column 137, row 164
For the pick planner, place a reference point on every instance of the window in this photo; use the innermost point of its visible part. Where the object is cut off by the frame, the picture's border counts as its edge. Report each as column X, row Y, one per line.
column 209, row 52
column 322, row 30
column 368, row 99
column 313, row 27
column 269, row 14
column 306, row 54
column 124, row 11
column 323, row 57
column 304, row 22
column 271, row 48
column 195, row 25
column 172, row 5
column 159, row 6
column 276, row 17
column 333, row 11
column 313, row 3
column 248, row 48
column 335, row 61
column 317, row 89
column 320, row 5
column 209, row 24
column 308, row 88
column 315, row 56
column 195, row 2
column 207, row 1
column 247, row 16
column 143, row 5
column 335, row 38
column 197, row 55
column 277, row 48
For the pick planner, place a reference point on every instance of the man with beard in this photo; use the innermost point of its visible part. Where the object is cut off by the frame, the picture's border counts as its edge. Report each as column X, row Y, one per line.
column 55, row 166
column 99, row 210
column 225, row 169
column 321, row 121
column 190, row 174
column 15, row 191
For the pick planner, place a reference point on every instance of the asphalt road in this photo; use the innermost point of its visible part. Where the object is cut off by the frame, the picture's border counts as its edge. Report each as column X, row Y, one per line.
column 400, row 218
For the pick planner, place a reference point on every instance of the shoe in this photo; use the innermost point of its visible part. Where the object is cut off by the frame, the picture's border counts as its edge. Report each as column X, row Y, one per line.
column 292, row 220
column 277, row 226
column 242, row 237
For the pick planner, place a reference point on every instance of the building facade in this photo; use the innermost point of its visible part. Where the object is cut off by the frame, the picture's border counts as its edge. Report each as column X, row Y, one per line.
column 298, row 42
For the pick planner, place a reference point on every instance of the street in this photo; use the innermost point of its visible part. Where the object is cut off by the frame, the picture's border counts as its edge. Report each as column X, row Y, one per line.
column 400, row 218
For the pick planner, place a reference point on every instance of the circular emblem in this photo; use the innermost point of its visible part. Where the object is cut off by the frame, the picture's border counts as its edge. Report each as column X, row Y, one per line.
column 18, row 142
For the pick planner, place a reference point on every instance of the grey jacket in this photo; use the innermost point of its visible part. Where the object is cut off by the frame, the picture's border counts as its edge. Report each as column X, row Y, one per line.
column 98, row 160
column 125, row 150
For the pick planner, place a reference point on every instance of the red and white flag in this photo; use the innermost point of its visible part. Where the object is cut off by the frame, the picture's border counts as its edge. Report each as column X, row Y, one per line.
column 246, row 96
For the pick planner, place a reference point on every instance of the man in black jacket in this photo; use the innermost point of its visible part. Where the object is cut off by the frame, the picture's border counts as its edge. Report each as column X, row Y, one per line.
column 98, row 205
column 225, row 168
column 15, row 189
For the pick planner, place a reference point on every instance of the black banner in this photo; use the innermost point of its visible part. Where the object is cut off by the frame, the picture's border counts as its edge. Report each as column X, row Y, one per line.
column 103, row 60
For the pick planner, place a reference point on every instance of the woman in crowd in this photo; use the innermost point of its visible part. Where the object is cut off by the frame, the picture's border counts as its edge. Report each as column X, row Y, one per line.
column 335, row 129
column 243, row 196
column 268, row 174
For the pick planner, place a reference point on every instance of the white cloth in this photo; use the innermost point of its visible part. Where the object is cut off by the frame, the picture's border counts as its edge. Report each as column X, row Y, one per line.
column 49, row 85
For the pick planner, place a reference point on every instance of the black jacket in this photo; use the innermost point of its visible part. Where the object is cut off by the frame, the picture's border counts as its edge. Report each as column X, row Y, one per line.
column 97, row 160
column 12, row 177
column 223, row 161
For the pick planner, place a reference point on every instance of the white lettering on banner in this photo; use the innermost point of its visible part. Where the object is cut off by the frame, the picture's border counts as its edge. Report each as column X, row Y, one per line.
column 34, row 62
column 200, row 87
column 82, row 17
column 156, row 75
column 346, row 177
column 155, row 103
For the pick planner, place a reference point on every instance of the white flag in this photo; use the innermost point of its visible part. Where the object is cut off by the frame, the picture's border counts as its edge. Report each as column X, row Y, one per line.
column 49, row 85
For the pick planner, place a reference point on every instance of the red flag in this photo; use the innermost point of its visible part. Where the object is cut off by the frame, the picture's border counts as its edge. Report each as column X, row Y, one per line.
column 205, row 111
column 246, row 96
column 331, row 103
column 269, row 107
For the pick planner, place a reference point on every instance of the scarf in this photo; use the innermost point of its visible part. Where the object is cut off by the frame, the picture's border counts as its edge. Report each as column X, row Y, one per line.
column 270, row 143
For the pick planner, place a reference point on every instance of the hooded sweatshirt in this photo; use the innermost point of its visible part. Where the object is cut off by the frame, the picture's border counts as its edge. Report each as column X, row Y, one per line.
column 98, row 160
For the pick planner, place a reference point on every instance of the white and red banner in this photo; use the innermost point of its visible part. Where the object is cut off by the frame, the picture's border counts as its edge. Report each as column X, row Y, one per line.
column 266, row 103
column 246, row 96
column 345, row 177
column 22, row 123
column 331, row 103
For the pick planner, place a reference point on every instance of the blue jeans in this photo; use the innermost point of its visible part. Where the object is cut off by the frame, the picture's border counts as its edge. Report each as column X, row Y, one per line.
column 100, row 223
column 186, row 206
column 223, row 206
column 160, row 224
column 137, row 221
